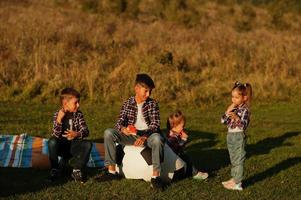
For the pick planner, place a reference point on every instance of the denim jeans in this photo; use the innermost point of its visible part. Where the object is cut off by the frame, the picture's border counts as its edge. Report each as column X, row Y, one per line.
column 112, row 136
column 236, row 147
column 76, row 150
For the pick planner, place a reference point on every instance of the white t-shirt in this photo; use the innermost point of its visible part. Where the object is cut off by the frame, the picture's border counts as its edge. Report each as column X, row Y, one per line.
column 140, row 121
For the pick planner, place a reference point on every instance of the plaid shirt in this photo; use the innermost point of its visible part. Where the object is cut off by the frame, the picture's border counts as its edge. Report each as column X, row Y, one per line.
column 176, row 142
column 242, row 123
column 78, row 124
column 150, row 111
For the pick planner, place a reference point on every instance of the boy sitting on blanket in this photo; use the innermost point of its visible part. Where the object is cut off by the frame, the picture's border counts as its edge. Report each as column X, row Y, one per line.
column 69, row 129
column 142, row 112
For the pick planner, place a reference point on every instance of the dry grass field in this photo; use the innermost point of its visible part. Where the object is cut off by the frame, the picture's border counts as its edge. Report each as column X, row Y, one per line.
column 194, row 50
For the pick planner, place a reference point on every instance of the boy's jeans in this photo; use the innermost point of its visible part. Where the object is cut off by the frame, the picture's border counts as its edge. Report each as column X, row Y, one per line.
column 236, row 147
column 112, row 136
column 77, row 150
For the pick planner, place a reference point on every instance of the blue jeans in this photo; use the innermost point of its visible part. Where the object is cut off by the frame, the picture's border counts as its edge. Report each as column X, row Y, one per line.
column 111, row 136
column 77, row 150
column 236, row 147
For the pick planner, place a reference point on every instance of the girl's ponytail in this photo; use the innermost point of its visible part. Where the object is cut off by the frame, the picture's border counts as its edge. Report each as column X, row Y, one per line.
column 249, row 93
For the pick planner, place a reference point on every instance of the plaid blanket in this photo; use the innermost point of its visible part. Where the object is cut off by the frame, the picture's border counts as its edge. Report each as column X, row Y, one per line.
column 23, row 151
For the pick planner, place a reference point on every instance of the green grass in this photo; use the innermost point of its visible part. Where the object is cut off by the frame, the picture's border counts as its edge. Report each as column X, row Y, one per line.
column 272, row 168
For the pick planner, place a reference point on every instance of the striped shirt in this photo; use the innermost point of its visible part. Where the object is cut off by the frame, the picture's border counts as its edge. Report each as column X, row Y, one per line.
column 150, row 111
column 242, row 123
column 78, row 124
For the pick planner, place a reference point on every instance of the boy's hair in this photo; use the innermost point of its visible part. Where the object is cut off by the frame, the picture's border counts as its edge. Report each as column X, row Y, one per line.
column 244, row 90
column 175, row 119
column 145, row 80
column 68, row 93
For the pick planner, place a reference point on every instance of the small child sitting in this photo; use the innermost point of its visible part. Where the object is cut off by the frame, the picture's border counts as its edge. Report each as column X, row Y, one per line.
column 177, row 138
column 69, row 129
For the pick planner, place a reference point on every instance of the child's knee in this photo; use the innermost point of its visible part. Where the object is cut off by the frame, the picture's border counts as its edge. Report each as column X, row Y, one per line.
column 156, row 139
column 108, row 133
column 88, row 145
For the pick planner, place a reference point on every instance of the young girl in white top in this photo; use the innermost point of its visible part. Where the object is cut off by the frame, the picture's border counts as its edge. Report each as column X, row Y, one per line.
column 237, row 118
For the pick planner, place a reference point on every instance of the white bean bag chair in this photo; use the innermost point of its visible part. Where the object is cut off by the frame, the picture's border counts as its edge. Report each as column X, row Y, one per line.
column 135, row 167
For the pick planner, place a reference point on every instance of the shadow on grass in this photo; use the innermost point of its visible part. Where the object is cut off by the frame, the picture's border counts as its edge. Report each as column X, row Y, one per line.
column 266, row 145
column 16, row 181
column 203, row 154
column 283, row 165
column 210, row 159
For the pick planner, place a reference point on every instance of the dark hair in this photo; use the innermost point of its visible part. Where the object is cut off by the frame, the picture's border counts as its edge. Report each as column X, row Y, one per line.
column 244, row 89
column 174, row 119
column 145, row 80
column 68, row 93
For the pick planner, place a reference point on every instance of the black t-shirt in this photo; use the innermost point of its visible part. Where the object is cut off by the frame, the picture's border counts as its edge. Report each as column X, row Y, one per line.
column 67, row 122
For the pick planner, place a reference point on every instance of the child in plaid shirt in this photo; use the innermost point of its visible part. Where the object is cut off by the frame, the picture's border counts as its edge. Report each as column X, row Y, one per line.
column 177, row 138
column 237, row 118
column 69, row 131
column 139, row 125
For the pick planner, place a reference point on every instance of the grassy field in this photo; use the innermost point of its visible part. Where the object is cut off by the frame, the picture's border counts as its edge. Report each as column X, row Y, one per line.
column 193, row 49
column 273, row 165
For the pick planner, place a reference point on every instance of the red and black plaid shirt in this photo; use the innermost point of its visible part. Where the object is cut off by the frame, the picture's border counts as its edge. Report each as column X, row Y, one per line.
column 242, row 123
column 78, row 124
column 150, row 111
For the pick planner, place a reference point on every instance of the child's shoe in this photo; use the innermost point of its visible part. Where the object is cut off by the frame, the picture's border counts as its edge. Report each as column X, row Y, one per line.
column 54, row 174
column 107, row 176
column 157, row 183
column 233, row 186
column 228, row 181
column 200, row 176
column 77, row 175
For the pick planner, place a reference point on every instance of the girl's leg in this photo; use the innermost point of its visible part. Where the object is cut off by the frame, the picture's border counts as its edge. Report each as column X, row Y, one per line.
column 236, row 147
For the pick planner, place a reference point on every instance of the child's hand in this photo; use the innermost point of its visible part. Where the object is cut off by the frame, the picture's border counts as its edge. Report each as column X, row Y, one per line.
column 70, row 135
column 60, row 115
column 140, row 141
column 230, row 108
column 183, row 135
column 233, row 116
column 125, row 131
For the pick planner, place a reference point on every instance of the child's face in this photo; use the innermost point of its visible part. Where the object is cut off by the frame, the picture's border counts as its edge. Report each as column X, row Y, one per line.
column 237, row 98
column 71, row 105
column 142, row 93
column 178, row 128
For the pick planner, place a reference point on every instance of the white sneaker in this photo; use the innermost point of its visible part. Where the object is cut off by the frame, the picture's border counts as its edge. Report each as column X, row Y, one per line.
column 236, row 186
column 231, row 180
column 226, row 182
column 200, row 176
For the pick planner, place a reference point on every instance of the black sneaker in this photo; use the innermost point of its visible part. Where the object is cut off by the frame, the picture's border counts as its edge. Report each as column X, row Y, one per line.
column 157, row 183
column 54, row 174
column 77, row 176
column 107, row 176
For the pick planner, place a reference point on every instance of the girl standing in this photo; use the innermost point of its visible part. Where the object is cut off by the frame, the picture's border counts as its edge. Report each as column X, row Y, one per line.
column 237, row 118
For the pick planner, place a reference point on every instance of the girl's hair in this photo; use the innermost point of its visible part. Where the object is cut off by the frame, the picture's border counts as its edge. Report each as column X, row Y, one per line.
column 244, row 89
column 174, row 119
